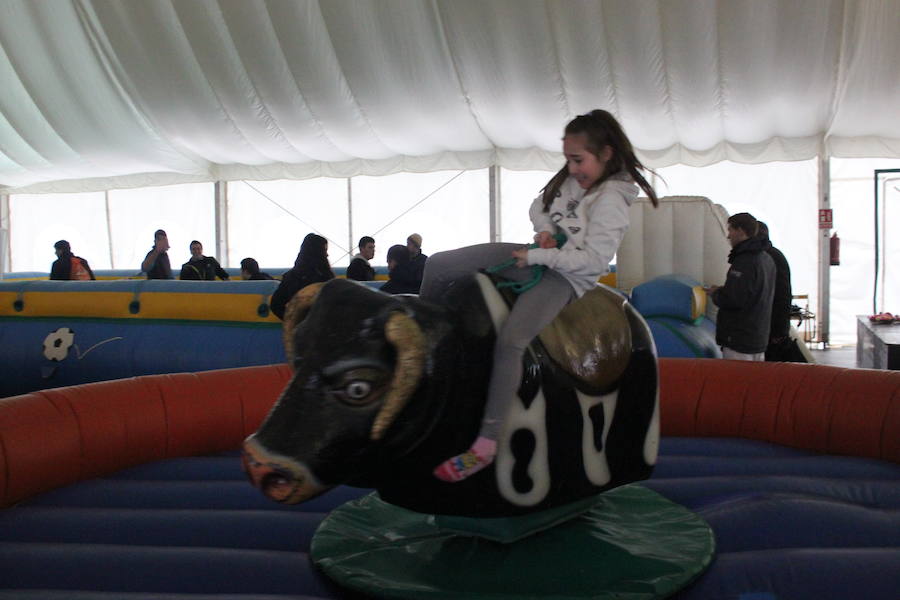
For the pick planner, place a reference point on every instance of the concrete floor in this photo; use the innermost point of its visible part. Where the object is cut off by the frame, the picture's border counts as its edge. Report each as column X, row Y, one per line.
column 836, row 356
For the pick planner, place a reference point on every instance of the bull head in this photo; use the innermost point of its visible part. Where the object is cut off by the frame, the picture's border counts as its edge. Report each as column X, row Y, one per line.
column 355, row 375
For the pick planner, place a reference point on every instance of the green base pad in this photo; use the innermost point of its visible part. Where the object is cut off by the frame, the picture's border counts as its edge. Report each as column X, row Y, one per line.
column 633, row 544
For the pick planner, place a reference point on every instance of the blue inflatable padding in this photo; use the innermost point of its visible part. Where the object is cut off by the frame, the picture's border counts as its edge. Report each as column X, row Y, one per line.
column 162, row 527
column 789, row 524
column 682, row 339
column 179, row 495
column 677, row 447
column 156, row 569
column 800, row 574
column 666, row 296
column 788, row 520
column 698, row 492
column 117, row 349
column 825, row 465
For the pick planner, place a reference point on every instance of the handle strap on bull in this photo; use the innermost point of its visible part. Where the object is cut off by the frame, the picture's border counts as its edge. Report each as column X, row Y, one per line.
column 537, row 271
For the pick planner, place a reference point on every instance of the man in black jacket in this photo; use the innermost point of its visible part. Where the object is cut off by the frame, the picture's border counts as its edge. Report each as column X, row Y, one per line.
column 780, row 342
column 201, row 267
column 745, row 301
column 359, row 268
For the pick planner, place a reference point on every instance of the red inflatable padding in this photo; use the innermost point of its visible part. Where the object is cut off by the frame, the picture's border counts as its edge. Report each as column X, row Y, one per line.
column 56, row 437
column 828, row 409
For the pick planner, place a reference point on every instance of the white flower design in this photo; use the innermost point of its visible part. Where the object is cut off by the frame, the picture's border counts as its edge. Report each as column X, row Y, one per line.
column 57, row 344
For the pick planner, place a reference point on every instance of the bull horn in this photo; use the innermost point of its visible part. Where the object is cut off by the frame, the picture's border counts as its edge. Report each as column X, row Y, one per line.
column 294, row 312
column 406, row 337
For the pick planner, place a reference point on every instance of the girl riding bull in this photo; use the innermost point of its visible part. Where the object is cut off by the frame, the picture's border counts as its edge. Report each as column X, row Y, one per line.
column 587, row 202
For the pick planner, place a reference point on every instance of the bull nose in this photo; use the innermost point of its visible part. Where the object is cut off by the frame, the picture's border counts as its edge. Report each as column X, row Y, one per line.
column 278, row 477
column 277, row 484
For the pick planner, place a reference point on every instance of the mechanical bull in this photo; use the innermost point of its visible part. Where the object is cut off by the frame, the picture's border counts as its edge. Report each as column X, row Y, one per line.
column 386, row 387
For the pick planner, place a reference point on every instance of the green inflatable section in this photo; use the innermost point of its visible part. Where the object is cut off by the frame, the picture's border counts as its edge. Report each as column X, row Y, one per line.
column 633, row 544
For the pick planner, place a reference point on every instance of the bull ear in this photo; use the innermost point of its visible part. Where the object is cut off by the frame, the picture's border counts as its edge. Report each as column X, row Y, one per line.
column 294, row 312
column 406, row 337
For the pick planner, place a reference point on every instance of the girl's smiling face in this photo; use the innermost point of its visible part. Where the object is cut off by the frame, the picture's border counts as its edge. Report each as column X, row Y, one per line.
column 585, row 166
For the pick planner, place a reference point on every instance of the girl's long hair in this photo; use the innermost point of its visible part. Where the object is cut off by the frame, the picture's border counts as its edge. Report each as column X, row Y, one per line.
column 602, row 129
column 313, row 255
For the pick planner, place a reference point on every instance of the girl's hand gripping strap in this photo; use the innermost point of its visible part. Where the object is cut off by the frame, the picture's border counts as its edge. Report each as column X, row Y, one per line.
column 537, row 271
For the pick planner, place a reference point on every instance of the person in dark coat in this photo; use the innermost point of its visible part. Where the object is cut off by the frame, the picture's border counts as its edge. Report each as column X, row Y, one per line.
column 780, row 342
column 250, row 271
column 156, row 264
column 402, row 272
column 200, row 267
column 359, row 268
column 67, row 266
column 745, row 301
column 311, row 266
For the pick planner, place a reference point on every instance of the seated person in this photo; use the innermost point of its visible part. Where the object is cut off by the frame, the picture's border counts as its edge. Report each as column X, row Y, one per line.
column 359, row 268
column 67, row 266
column 156, row 264
column 310, row 266
column 402, row 272
column 250, row 271
column 201, row 267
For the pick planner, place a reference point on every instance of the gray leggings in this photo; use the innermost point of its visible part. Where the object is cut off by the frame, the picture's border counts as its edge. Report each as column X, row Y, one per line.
column 533, row 311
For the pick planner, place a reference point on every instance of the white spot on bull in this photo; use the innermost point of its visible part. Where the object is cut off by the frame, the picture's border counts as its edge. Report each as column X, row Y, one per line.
column 596, row 467
column 533, row 419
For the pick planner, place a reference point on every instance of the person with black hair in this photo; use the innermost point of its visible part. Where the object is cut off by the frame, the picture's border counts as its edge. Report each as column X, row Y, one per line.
column 156, row 264
column 359, row 268
column 402, row 272
column 200, row 267
column 781, row 347
column 310, row 266
column 586, row 202
column 67, row 266
column 250, row 271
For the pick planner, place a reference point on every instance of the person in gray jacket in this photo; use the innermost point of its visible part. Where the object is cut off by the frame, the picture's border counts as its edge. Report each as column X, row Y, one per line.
column 745, row 301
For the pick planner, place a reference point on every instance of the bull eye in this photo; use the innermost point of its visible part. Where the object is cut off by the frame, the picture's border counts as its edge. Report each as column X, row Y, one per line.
column 358, row 390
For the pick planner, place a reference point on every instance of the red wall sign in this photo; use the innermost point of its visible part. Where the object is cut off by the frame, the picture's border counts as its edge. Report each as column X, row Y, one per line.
column 825, row 218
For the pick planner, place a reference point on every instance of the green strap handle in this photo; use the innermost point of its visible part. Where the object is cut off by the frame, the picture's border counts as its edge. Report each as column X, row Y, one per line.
column 537, row 271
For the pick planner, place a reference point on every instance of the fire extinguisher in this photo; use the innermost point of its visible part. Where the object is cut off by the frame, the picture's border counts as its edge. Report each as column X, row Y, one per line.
column 835, row 243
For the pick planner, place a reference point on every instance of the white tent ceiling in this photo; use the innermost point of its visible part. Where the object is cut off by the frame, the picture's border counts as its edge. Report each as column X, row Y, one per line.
column 96, row 94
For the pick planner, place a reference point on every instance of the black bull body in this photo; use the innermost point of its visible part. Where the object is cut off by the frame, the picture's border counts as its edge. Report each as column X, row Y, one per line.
column 387, row 387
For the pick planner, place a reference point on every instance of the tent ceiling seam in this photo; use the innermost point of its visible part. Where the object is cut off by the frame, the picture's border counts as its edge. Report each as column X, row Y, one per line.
column 445, row 43
column 561, row 78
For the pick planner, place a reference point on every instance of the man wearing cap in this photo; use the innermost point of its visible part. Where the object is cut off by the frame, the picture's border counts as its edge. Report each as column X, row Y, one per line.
column 67, row 266
column 416, row 258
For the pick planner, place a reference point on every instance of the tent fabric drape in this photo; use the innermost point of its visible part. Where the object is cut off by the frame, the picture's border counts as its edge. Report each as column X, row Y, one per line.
column 99, row 94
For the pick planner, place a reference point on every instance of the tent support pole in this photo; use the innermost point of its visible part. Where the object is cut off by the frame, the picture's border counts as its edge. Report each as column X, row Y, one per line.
column 221, row 214
column 494, row 202
column 823, row 309
column 350, row 217
column 5, row 245
column 109, row 236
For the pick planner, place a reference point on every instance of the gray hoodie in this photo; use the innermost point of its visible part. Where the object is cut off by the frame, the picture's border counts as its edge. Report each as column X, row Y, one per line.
column 594, row 224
